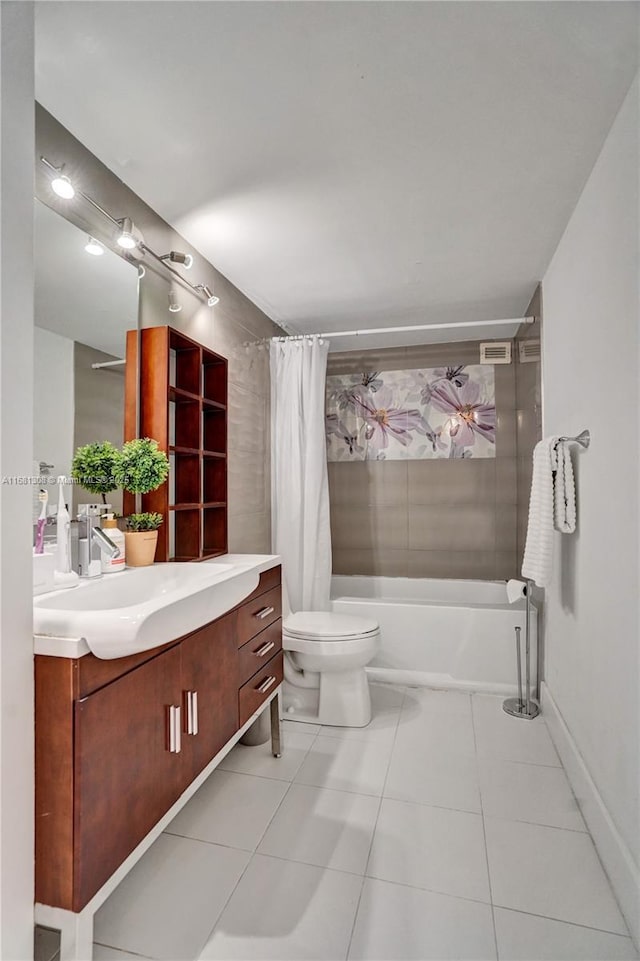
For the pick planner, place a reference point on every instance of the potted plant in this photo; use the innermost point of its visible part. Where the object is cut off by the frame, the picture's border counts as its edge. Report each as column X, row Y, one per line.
column 141, row 468
column 94, row 468
column 141, row 538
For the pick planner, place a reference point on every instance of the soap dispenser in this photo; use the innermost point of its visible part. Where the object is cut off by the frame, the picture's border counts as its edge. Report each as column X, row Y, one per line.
column 113, row 532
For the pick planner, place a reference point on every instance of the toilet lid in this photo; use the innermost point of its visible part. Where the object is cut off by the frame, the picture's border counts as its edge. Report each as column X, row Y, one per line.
column 326, row 625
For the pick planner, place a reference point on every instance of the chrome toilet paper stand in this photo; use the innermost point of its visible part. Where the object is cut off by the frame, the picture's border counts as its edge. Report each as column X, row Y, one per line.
column 526, row 707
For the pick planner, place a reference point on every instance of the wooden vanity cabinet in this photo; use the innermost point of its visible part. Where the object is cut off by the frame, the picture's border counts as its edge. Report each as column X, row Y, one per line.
column 118, row 742
column 125, row 776
column 209, row 696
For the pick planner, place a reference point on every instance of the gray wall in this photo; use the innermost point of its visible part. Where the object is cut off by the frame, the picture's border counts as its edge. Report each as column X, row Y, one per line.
column 99, row 411
column 528, row 416
column 428, row 518
column 225, row 328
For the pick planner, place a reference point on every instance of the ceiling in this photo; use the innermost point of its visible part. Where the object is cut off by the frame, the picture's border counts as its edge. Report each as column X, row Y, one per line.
column 349, row 164
column 92, row 300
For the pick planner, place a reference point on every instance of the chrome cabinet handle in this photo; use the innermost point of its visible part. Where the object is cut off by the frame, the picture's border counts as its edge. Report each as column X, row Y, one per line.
column 191, row 712
column 174, row 729
column 266, row 647
column 194, row 702
column 264, row 612
column 266, row 684
column 178, row 732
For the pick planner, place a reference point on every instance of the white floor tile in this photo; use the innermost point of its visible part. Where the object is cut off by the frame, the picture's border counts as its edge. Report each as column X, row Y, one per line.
column 524, row 937
column 386, row 701
column 232, row 809
column 436, row 731
column 260, row 761
column 102, row 953
column 299, row 727
column 328, row 828
column 432, row 848
column 345, row 765
column 282, row 910
column 507, row 738
column 170, row 901
column 433, row 777
column 418, row 699
column 396, row 923
column 550, row 872
column 528, row 792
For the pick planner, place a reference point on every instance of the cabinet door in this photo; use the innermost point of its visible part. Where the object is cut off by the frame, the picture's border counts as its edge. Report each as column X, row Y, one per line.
column 126, row 776
column 210, row 693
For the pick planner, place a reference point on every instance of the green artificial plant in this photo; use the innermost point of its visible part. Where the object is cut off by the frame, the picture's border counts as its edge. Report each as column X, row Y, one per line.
column 141, row 466
column 147, row 521
column 94, row 467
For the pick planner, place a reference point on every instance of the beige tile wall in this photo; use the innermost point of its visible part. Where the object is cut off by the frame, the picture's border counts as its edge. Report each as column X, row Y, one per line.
column 428, row 518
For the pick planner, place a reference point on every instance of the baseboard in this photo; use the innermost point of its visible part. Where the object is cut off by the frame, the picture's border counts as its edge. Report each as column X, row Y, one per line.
column 439, row 682
column 616, row 858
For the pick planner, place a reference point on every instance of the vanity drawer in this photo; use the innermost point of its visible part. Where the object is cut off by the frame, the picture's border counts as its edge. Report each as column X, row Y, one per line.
column 258, row 613
column 255, row 653
column 256, row 691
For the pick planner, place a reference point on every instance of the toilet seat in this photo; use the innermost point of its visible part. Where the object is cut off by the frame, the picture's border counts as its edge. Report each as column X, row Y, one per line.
column 326, row 626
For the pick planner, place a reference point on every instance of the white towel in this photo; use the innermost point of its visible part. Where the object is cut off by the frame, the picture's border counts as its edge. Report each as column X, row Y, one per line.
column 564, row 492
column 538, row 551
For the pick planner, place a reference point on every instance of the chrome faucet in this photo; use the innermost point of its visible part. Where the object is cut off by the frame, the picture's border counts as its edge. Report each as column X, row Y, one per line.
column 92, row 541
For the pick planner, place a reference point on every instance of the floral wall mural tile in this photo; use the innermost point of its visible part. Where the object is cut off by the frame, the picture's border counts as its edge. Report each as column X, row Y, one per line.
column 446, row 412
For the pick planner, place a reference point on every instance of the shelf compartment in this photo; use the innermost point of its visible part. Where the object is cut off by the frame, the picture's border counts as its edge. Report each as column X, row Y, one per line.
column 214, row 480
column 214, row 530
column 187, row 469
column 214, row 430
column 184, row 425
column 186, row 530
column 184, row 363
column 214, row 379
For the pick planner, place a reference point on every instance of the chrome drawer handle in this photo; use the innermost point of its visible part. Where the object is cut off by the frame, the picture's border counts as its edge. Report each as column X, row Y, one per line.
column 264, row 612
column 266, row 647
column 264, row 687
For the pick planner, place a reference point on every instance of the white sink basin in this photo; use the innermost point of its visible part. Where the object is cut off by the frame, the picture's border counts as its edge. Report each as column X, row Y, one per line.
column 138, row 609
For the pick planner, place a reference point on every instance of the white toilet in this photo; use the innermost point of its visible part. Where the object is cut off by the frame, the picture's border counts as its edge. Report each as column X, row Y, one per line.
column 324, row 667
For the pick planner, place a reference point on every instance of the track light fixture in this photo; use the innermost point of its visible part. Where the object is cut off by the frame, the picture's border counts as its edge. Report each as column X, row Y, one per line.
column 127, row 238
column 60, row 183
column 63, row 187
column 94, row 247
column 212, row 300
column 130, row 238
column 177, row 257
column 174, row 306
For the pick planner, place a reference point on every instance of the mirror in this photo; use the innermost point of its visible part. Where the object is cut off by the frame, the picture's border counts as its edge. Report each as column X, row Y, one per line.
column 84, row 306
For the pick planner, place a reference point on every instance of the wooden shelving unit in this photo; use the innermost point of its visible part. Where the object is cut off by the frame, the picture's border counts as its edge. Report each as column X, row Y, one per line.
column 183, row 405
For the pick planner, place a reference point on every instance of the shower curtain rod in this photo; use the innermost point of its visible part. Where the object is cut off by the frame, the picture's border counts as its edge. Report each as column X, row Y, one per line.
column 405, row 330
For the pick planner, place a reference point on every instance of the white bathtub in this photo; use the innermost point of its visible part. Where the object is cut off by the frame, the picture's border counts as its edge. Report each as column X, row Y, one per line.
column 440, row 633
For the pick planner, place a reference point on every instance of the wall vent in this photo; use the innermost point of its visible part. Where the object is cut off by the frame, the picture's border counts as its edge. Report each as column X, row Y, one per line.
column 495, row 352
column 529, row 351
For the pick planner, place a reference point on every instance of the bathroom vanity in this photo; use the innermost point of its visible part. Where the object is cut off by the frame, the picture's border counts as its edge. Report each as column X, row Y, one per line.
column 123, row 743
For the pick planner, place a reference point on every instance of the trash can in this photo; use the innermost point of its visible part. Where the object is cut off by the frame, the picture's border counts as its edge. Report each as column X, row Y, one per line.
column 259, row 732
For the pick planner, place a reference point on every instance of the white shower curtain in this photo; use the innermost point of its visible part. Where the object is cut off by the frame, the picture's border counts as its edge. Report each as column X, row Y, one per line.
column 299, row 488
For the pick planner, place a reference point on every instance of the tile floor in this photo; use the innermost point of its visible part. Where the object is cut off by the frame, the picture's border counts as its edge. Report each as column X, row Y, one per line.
column 445, row 829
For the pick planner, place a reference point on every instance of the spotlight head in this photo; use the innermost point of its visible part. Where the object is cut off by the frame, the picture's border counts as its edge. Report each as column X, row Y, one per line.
column 212, row 300
column 177, row 257
column 127, row 239
column 63, row 186
column 174, row 306
column 94, row 247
